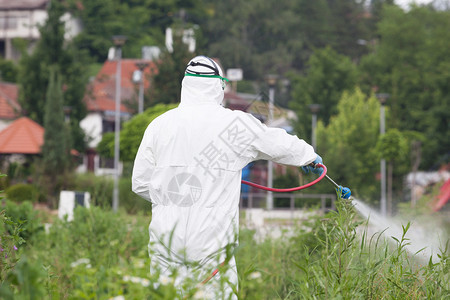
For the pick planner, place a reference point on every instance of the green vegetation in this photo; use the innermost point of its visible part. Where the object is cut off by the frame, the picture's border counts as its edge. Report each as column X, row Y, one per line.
column 22, row 192
column 102, row 254
column 348, row 143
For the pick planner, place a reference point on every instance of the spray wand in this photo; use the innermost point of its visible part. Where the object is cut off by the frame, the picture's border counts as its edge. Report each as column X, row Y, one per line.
column 345, row 192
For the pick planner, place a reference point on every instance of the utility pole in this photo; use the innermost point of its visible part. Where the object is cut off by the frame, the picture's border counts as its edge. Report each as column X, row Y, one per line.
column 118, row 41
column 271, row 81
column 382, row 97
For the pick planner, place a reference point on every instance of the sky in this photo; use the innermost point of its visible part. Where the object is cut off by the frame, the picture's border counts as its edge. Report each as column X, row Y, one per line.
column 405, row 3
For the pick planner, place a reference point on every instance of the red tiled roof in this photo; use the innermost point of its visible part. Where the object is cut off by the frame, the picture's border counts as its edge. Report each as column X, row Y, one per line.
column 9, row 107
column 22, row 136
column 101, row 92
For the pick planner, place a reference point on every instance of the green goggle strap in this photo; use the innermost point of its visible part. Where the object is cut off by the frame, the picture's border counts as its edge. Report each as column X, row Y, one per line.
column 207, row 76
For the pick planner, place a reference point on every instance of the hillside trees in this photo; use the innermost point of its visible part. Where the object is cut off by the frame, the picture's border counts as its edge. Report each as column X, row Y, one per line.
column 328, row 75
column 35, row 71
column 412, row 64
column 142, row 21
column 266, row 36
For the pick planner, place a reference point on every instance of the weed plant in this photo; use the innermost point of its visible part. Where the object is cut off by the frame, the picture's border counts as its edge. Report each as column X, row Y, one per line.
column 102, row 255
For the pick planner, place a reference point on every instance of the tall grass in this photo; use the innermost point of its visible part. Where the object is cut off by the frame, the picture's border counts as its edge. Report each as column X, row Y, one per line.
column 102, row 254
column 333, row 261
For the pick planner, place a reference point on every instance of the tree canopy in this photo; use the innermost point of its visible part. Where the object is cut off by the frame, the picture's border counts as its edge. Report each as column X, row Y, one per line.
column 131, row 134
column 348, row 143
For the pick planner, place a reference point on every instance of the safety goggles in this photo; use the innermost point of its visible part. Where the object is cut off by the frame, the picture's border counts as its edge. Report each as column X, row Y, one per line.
column 214, row 73
column 224, row 80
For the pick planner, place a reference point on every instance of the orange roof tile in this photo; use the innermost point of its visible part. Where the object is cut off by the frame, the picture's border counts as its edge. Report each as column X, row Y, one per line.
column 22, row 136
column 101, row 93
column 9, row 107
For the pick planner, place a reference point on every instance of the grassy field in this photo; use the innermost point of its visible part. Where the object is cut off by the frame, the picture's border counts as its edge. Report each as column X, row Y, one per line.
column 103, row 255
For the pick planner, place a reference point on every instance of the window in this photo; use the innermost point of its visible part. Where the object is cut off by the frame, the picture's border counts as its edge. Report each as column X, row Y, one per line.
column 8, row 22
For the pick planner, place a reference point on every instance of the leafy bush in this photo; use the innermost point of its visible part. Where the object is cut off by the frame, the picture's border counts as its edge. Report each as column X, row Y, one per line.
column 101, row 190
column 25, row 281
column 88, row 257
column 22, row 192
column 25, row 215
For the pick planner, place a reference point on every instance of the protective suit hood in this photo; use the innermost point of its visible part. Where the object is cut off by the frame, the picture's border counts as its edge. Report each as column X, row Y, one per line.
column 202, row 90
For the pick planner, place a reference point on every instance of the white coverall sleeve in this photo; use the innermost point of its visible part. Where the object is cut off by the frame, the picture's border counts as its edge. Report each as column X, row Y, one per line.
column 277, row 145
column 144, row 165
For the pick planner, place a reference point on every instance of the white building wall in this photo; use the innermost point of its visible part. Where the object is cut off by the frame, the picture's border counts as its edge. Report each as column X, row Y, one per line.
column 25, row 24
column 93, row 127
column 21, row 23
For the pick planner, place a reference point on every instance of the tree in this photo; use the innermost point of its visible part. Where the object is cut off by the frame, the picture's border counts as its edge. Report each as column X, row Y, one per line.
column 349, row 22
column 328, row 75
column 411, row 63
column 8, row 70
column 55, row 150
column 267, row 36
column 166, row 84
column 51, row 50
column 348, row 144
column 131, row 134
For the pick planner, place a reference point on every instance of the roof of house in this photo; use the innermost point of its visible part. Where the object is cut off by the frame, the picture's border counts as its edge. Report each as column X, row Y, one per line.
column 22, row 4
column 9, row 106
column 234, row 102
column 101, row 93
column 22, row 136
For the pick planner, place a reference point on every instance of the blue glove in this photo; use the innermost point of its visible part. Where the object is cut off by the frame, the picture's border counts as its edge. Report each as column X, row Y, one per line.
column 310, row 167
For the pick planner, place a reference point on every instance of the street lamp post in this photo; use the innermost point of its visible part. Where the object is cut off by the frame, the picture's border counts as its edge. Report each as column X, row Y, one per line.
column 118, row 41
column 314, row 110
column 271, row 81
column 141, row 65
column 382, row 97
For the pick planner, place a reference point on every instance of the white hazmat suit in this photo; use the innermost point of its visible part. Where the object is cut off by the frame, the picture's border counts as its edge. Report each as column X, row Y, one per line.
column 189, row 166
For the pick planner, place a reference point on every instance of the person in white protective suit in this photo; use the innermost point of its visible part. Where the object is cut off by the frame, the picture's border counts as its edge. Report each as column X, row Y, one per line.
column 189, row 166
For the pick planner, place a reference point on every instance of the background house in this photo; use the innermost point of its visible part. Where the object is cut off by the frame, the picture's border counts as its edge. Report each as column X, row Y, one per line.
column 100, row 102
column 22, row 139
column 9, row 106
column 21, row 19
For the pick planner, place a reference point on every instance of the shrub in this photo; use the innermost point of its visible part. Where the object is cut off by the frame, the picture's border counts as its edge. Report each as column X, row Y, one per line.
column 22, row 192
column 26, row 216
column 101, row 190
column 131, row 202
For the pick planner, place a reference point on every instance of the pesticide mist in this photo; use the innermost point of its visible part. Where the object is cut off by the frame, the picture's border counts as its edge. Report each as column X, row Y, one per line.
column 423, row 240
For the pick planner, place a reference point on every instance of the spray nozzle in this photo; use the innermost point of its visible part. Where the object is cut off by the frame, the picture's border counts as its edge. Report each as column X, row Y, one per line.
column 344, row 192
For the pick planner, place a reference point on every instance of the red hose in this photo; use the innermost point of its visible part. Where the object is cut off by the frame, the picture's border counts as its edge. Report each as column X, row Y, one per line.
column 262, row 187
